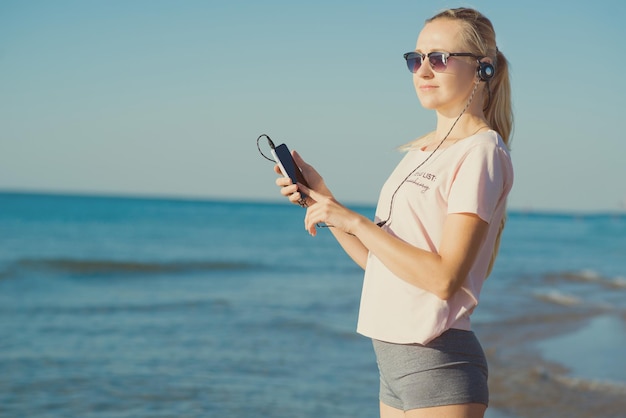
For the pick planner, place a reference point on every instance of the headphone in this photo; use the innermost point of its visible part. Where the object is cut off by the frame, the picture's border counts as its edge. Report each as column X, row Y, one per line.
column 485, row 71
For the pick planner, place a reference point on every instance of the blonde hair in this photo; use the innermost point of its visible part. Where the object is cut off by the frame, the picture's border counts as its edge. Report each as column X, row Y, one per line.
column 479, row 37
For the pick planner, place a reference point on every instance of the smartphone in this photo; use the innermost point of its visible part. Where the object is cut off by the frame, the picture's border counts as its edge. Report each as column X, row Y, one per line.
column 288, row 166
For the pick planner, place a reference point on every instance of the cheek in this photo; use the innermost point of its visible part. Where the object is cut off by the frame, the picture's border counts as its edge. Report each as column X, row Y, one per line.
column 462, row 82
column 471, row 77
column 464, row 72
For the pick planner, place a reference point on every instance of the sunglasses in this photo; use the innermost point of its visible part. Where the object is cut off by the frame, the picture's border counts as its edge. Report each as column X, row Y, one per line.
column 438, row 60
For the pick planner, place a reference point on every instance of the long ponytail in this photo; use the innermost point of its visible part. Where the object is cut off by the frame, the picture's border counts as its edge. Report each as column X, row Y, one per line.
column 498, row 111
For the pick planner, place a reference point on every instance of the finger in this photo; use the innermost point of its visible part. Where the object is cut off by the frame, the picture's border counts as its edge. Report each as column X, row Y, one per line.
column 289, row 190
column 305, row 191
column 309, row 225
column 298, row 159
column 310, row 192
column 283, row 181
column 295, row 198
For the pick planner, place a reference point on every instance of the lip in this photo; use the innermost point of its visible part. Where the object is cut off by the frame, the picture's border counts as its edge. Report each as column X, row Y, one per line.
column 427, row 87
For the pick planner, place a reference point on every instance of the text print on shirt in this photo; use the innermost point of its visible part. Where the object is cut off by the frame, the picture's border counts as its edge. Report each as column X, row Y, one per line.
column 420, row 177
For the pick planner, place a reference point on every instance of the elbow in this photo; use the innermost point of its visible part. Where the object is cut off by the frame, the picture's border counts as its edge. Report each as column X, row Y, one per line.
column 443, row 294
column 447, row 288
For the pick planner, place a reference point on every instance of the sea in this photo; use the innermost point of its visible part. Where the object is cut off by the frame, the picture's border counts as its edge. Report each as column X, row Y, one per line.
column 130, row 307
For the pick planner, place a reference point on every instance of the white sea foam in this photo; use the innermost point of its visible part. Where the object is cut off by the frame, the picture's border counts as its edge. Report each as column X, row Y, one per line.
column 559, row 298
column 619, row 282
column 589, row 275
column 605, row 386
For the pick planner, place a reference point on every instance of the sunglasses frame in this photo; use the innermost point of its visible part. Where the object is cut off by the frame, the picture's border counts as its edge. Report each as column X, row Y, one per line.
column 444, row 60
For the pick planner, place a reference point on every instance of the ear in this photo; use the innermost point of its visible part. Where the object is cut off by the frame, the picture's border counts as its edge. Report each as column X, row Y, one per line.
column 485, row 70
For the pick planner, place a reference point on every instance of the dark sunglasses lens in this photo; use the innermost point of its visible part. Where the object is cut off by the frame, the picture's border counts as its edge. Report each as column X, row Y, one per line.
column 413, row 62
column 437, row 61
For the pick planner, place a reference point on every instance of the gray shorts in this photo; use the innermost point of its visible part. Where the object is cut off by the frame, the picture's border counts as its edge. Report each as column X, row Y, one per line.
column 450, row 370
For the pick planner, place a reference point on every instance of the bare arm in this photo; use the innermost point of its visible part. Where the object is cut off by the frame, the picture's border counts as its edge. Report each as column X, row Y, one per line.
column 352, row 246
column 440, row 273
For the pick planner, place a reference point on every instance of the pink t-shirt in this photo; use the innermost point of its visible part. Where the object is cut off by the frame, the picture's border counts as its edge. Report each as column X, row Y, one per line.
column 474, row 176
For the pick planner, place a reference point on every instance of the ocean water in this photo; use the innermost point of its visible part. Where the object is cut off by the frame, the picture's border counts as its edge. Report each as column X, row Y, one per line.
column 129, row 307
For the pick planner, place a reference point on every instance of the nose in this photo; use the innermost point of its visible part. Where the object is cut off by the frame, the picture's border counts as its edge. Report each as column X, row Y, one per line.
column 425, row 70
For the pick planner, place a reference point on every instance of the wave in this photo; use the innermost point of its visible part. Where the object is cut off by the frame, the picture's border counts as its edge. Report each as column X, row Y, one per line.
column 588, row 276
column 558, row 298
column 619, row 283
column 94, row 267
column 209, row 306
column 584, row 384
column 311, row 327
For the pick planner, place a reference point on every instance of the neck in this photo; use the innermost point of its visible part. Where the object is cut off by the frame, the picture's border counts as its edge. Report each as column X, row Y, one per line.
column 461, row 123
column 467, row 125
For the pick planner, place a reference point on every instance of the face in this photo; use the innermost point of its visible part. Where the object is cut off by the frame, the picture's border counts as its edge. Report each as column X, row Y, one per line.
column 447, row 91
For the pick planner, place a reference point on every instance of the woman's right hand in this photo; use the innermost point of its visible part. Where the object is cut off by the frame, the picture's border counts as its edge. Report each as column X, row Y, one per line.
column 312, row 177
column 287, row 188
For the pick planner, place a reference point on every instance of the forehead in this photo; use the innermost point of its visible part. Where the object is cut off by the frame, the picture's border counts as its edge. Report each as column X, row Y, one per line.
column 440, row 35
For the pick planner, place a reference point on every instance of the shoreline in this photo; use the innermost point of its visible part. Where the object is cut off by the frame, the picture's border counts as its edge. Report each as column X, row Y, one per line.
column 526, row 382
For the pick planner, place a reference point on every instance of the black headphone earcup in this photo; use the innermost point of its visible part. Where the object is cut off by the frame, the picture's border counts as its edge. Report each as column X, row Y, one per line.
column 486, row 71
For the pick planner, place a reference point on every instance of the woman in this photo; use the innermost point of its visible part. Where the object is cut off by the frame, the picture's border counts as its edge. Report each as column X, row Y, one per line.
column 437, row 227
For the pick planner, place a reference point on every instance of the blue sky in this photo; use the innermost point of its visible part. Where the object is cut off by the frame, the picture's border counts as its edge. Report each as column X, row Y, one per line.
column 167, row 98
